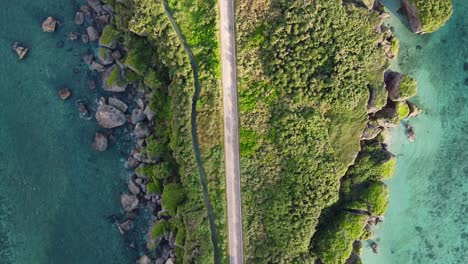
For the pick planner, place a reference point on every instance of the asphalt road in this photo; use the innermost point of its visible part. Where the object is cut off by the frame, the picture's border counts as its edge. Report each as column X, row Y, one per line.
column 231, row 130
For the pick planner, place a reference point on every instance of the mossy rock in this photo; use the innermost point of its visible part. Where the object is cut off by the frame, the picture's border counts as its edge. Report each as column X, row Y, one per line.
column 109, row 37
column 159, row 229
column 113, row 80
column 433, row 14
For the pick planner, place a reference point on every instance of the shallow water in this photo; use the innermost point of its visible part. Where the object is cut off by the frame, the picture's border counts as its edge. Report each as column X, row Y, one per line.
column 56, row 192
column 427, row 218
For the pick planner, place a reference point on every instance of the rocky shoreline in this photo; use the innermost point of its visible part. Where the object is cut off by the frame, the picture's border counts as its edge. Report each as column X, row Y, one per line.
column 122, row 113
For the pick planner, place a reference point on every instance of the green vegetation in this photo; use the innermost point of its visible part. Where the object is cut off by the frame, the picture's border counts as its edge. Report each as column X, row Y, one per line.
column 156, row 55
column 336, row 241
column 115, row 77
column 361, row 194
column 159, row 229
column 307, row 69
column 408, row 87
column 372, row 164
column 433, row 13
column 172, row 197
column 403, row 110
column 395, row 46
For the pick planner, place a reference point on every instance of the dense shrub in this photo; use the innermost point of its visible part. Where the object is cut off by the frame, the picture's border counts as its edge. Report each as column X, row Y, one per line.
column 408, row 87
column 306, row 69
column 173, row 195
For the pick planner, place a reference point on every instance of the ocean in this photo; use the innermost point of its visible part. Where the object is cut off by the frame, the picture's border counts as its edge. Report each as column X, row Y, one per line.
column 427, row 218
column 58, row 196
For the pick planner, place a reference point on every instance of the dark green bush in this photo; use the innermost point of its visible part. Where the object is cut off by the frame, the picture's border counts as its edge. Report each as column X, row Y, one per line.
column 173, row 195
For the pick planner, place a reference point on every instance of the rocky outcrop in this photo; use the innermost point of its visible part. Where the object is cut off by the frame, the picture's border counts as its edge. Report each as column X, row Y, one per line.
column 100, row 142
column 109, row 116
column 49, row 25
column 414, row 110
column 399, row 86
column 412, row 14
column 371, row 131
column 129, row 202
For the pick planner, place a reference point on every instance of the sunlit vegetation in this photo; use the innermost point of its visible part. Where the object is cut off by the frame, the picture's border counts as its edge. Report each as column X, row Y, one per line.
column 307, row 69
column 156, row 55
column 433, row 13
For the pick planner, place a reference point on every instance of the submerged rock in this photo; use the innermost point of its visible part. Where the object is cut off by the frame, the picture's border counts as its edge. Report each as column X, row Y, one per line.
column 109, row 116
column 87, row 58
column 64, row 93
column 79, row 18
column 100, row 142
column 126, row 226
column 49, row 25
column 19, row 49
column 144, row 260
column 129, row 202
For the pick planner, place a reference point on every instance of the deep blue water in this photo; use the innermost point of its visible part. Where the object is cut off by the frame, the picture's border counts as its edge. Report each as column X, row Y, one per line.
column 427, row 219
column 56, row 192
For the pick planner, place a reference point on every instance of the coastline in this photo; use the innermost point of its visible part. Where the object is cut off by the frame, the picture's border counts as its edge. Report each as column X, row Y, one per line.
column 426, row 192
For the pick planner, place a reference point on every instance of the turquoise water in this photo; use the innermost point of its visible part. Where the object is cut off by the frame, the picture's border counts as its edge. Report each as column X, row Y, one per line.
column 427, row 220
column 56, row 192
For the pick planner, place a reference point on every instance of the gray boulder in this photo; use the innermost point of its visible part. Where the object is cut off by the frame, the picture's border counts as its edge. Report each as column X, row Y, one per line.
column 141, row 130
column 149, row 113
column 19, row 49
column 96, row 5
column 138, row 116
column 97, row 66
column 118, row 104
column 109, row 116
column 92, row 33
column 129, row 202
column 100, row 142
column 133, row 188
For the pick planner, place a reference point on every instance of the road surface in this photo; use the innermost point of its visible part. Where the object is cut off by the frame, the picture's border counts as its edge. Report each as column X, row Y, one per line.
column 231, row 130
